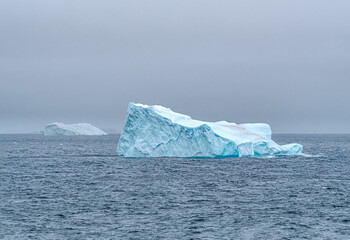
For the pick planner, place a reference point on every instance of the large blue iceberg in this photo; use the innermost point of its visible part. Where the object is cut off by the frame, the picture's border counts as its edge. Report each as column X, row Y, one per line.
column 156, row 131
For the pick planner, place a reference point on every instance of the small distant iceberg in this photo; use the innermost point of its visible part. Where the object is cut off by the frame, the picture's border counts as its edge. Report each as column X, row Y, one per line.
column 56, row 129
column 156, row 131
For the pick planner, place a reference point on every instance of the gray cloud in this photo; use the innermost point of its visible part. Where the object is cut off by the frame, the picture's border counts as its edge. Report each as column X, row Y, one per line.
column 281, row 62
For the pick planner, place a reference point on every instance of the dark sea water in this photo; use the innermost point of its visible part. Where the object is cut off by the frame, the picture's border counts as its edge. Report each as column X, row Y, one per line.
column 78, row 188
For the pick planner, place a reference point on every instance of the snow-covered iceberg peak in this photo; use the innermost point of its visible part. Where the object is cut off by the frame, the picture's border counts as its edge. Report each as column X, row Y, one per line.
column 156, row 131
column 56, row 128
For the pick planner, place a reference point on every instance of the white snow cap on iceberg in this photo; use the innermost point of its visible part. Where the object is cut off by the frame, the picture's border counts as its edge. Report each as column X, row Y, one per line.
column 56, row 128
column 156, row 131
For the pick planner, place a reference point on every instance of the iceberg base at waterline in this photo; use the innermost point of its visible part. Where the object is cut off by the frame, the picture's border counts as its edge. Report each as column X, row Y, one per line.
column 156, row 131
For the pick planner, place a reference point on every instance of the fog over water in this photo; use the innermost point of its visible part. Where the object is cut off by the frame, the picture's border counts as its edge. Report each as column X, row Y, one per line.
column 281, row 62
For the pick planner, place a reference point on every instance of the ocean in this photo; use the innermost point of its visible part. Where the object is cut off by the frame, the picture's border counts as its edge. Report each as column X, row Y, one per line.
column 78, row 188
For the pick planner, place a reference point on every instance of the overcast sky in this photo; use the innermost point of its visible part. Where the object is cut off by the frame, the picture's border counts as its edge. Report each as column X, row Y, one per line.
column 286, row 63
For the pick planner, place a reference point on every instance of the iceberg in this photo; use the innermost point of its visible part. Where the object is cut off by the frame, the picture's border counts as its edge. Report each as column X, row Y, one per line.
column 55, row 129
column 156, row 131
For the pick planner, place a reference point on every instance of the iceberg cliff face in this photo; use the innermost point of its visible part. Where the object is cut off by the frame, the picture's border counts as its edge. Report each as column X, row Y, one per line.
column 156, row 131
column 55, row 129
